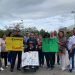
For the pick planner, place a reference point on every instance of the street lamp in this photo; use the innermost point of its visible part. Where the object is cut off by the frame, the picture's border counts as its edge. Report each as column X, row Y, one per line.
column 73, row 12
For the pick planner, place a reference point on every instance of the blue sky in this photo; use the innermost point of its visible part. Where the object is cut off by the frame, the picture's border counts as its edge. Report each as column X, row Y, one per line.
column 43, row 14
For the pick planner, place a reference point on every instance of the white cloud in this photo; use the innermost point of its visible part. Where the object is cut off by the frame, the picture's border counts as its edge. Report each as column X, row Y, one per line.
column 40, row 13
column 26, row 9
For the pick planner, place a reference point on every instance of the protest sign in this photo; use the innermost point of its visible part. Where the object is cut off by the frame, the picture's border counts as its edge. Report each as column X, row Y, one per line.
column 30, row 59
column 50, row 45
column 14, row 44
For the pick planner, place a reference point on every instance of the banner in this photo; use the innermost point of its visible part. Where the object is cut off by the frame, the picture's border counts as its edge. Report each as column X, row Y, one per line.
column 50, row 45
column 30, row 58
column 14, row 44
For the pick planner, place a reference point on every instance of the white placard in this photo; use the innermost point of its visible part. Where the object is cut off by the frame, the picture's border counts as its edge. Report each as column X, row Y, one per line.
column 30, row 58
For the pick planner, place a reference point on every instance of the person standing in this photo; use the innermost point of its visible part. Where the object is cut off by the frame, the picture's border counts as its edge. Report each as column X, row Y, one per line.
column 62, row 50
column 69, row 43
column 41, row 54
column 1, row 68
column 4, row 53
column 9, row 52
column 15, row 53
column 53, row 35
column 72, row 51
column 26, row 37
column 47, row 53
column 54, row 53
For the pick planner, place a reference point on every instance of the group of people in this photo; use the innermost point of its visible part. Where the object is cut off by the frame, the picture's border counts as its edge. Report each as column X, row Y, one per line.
column 33, row 42
column 9, row 57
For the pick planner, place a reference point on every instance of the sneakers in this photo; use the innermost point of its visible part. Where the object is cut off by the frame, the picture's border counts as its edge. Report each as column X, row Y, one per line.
column 63, row 69
column 73, row 70
column 1, row 69
column 6, row 66
column 11, row 70
column 18, row 69
column 70, row 70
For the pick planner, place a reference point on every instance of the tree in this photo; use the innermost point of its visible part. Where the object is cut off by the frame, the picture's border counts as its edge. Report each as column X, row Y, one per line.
column 20, row 26
column 1, row 33
column 42, row 32
column 14, row 26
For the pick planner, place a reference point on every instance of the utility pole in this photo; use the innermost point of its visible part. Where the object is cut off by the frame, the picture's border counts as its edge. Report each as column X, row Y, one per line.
column 73, row 12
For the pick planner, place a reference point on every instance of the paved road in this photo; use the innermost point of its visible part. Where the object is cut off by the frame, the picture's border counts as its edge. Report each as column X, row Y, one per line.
column 41, row 71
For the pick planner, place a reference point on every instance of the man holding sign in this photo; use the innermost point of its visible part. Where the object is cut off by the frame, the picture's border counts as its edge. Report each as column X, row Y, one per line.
column 50, row 47
column 16, row 50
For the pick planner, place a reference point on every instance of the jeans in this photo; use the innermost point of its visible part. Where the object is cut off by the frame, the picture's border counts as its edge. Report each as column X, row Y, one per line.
column 15, row 53
column 0, row 61
column 50, row 59
column 4, row 55
column 72, row 58
column 41, row 57
column 47, row 56
column 10, row 57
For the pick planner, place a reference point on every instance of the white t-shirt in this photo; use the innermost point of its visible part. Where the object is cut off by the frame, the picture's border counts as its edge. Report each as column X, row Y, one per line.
column 71, row 41
column 3, row 45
